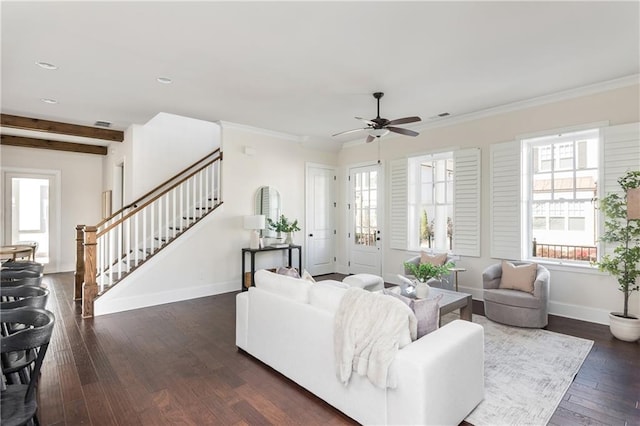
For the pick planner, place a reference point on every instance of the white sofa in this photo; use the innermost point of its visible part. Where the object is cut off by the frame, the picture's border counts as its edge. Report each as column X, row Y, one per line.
column 287, row 323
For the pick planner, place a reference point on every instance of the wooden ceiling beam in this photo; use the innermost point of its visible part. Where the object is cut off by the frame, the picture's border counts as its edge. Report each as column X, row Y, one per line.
column 36, row 124
column 49, row 144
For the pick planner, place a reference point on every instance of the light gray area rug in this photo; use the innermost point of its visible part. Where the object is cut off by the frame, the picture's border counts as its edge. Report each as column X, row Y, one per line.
column 527, row 372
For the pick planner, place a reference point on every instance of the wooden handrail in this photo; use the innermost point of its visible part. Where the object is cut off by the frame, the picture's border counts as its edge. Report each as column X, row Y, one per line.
column 158, row 187
column 131, row 213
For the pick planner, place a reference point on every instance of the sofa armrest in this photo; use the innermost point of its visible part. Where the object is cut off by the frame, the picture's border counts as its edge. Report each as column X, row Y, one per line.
column 491, row 276
column 541, row 284
column 242, row 319
column 432, row 370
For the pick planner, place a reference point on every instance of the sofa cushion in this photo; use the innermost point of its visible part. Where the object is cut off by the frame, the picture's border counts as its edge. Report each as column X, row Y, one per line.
column 307, row 276
column 518, row 277
column 292, row 288
column 326, row 295
column 512, row 298
column 427, row 311
column 434, row 259
column 290, row 272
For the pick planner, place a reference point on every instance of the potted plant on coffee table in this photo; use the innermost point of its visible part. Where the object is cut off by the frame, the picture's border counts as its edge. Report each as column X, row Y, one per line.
column 426, row 271
column 624, row 263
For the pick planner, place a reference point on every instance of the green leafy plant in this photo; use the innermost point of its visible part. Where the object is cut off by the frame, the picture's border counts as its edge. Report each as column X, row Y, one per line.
column 624, row 262
column 425, row 271
column 283, row 224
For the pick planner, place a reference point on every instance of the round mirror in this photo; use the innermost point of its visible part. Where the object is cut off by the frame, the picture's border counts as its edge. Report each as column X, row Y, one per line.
column 268, row 204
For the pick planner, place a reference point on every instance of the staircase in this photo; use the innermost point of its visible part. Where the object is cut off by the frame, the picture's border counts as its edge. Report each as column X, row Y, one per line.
column 114, row 248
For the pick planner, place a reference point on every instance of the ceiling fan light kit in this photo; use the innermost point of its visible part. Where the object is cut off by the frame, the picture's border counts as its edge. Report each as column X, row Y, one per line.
column 379, row 127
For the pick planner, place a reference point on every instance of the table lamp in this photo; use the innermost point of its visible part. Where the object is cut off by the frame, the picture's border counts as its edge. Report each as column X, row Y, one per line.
column 254, row 223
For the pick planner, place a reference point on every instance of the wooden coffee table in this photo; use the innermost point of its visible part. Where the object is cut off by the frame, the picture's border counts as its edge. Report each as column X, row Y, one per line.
column 452, row 300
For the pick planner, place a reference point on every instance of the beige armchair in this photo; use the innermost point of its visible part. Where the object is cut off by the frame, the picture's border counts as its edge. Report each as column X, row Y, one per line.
column 515, row 307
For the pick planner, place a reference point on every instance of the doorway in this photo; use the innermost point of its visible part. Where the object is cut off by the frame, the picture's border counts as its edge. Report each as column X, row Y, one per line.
column 320, row 219
column 30, row 212
column 365, row 220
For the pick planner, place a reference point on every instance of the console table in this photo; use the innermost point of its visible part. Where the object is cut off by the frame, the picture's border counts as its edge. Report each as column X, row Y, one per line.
column 253, row 252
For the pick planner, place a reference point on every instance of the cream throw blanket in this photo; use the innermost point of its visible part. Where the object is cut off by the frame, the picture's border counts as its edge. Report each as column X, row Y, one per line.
column 367, row 331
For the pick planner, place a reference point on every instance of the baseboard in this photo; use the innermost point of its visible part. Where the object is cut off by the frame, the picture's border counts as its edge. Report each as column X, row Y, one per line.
column 581, row 313
column 136, row 302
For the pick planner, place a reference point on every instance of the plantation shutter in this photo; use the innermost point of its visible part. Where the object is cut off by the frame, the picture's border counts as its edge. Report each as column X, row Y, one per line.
column 466, row 215
column 398, row 204
column 505, row 200
column 621, row 154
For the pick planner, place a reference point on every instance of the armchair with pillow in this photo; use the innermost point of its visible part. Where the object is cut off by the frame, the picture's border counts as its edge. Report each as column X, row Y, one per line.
column 437, row 259
column 516, row 293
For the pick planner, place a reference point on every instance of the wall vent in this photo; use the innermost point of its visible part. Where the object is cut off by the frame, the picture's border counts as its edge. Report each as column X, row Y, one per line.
column 101, row 123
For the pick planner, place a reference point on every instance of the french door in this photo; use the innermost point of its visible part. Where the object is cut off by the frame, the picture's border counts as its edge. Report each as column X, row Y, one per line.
column 365, row 208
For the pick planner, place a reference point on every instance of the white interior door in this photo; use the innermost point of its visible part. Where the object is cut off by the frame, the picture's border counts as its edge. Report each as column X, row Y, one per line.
column 365, row 207
column 320, row 219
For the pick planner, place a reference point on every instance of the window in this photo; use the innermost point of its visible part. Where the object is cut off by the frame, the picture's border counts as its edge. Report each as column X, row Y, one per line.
column 522, row 189
column 561, row 186
column 431, row 182
column 435, row 202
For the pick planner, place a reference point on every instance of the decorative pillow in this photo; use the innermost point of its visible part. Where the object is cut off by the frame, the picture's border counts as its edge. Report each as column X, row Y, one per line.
column 427, row 311
column 290, row 272
column 307, row 276
column 434, row 259
column 518, row 277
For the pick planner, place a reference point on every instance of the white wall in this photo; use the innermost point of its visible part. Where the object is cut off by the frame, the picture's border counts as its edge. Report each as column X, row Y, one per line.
column 81, row 189
column 207, row 260
column 575, row 293
column 159, row 149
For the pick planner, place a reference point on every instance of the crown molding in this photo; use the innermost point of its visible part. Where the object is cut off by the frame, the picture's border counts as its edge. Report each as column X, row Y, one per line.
column 577, row 92
column 520, row 105
column 260, row 131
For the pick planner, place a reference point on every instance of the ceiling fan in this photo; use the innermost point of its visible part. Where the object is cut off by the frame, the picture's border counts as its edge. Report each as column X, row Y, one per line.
column 378, row 127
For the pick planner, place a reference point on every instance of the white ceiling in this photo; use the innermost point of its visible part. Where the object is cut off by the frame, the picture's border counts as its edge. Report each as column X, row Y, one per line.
column 304, row 68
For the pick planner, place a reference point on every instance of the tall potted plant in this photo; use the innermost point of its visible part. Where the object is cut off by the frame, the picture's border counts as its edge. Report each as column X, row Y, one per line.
column 624, row 262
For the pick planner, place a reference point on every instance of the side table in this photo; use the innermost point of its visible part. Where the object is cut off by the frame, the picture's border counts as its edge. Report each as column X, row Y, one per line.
column 253, row 252
column 455, row 275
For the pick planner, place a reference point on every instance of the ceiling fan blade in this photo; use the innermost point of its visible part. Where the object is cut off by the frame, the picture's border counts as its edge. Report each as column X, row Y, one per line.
column 370, row 139
column 402, row 131
column 404, row 120
column 369, row 122
column 349, row 131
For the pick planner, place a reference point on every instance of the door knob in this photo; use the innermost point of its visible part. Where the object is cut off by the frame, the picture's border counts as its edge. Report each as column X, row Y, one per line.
column 311, row 235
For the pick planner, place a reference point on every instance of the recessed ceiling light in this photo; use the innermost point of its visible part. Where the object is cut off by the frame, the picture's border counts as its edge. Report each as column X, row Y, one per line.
column 49, row 101
column 46, row 65
column 164, row 80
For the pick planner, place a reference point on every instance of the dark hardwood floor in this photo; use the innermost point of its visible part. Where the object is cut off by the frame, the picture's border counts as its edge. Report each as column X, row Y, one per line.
column 178, row 364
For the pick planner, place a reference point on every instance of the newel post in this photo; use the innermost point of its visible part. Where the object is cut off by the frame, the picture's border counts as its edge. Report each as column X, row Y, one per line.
column 79, row 274
column 90, row 287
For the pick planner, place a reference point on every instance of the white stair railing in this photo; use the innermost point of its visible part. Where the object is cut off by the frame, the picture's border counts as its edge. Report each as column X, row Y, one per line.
column 127, row 239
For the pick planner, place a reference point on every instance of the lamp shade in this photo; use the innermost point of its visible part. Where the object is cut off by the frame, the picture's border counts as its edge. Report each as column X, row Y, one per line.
column 256, row 221
column 633, row 203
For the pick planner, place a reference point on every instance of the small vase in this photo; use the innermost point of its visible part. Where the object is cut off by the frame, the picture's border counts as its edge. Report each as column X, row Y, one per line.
column 422, row 290
column 289, row 239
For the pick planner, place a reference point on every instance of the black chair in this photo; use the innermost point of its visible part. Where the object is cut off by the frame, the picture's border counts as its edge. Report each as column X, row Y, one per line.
column 24, row 295
column 25, row 264
column 13, row 274
column 35, row 281
column 18, row 404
